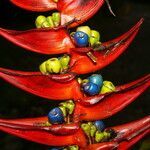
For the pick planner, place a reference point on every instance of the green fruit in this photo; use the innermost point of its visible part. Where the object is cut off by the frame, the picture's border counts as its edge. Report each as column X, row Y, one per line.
column 53, row 65
column 45, row 24
column 63, row 109
column 99, row 136
column 50, row 21
column 74, row 147
column 39, row 21
column 93, row 41
column 85, row 29
column 70, row 106
column 56, row 18
column 93, row 131
column 94, row 38
column 107, row 87
column 42, row 68
column 95, row 34
column 86, row 128
column 65, row 61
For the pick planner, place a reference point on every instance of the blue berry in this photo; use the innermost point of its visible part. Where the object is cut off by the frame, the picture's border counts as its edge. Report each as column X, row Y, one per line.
column 99, row 125
column 96, row 79
column 90, row 88
column 55, row 116
column 81, row 39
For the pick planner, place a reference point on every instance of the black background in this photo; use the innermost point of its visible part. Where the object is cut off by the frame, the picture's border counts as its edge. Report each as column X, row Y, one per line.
column 135, row 62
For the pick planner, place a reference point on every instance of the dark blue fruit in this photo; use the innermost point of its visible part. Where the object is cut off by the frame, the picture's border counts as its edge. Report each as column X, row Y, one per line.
column 55, row 116
column 96, row 79
column 90, row 88
column 81, row 39
column 99, row 125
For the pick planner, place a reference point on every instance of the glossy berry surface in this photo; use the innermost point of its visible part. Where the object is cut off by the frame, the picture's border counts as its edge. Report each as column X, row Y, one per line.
column 55, row 116
column 90, row 88
column 81, row 39
column 99, row 125
column 96, row 79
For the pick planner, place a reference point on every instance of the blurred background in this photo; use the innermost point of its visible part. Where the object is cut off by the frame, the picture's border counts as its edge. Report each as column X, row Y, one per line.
column 135, row 62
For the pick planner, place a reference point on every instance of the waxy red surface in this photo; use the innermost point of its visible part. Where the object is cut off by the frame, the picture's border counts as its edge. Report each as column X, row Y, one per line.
column 127, row 134
column 82, row 10
column 58, row 41
column 100, row 106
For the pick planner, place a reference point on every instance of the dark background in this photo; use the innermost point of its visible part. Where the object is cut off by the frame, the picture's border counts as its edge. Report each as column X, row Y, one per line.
column 135, row 62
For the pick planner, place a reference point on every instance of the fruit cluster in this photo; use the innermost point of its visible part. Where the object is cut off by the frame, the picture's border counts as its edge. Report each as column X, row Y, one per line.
column 77, row 122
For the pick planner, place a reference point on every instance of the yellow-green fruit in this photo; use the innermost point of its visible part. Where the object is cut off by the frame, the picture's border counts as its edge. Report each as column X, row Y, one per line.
column 107, row 87
column 70, row 106
column 86, row 128
column 42, row 68
column 85, row 81
column 95, row 34
column 99, row 136
column 63, row 109
column 45, row 24
column 93, row 131
column 53, row 65
column 65, row 61
column 56, row 18
column 50, row 21
column 93, row 41
column 85, row 29
column 74, row 147
column 94, row 38
column 39, row 21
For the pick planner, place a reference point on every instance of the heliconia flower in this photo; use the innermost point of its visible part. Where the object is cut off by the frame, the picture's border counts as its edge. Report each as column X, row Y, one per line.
column 54, row 89
column 70, row 9
column 63, row 135
column 58, row 41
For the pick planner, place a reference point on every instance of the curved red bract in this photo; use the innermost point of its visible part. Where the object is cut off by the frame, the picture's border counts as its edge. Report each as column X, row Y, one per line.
column 128, row 133
column 101, row 107
column 36, row 5
column 58, row 41
column 46, row 41
column 81, row 10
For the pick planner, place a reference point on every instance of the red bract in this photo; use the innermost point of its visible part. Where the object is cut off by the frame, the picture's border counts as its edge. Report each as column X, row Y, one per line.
column 127, row 133
column 58, row 41
column 50, row 87
column 70, row 9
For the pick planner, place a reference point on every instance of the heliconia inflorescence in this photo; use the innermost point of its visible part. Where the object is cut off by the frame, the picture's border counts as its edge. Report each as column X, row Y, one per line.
column 77, row 122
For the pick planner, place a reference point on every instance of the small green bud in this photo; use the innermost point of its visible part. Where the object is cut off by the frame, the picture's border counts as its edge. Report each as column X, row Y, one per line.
column 56, row 18
column 45, row 24
column 107, row 87
column 93, row 131
column 95, row 34
column 50, row 21
column 53, row 65
column 86, row 128
column 85, row 81
column 63, row 109
column 74, row 147
column 70, row 106
column 93, row 41
column 42, row 68
column 65, row 60
column 39, row 21
column 99, row 136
